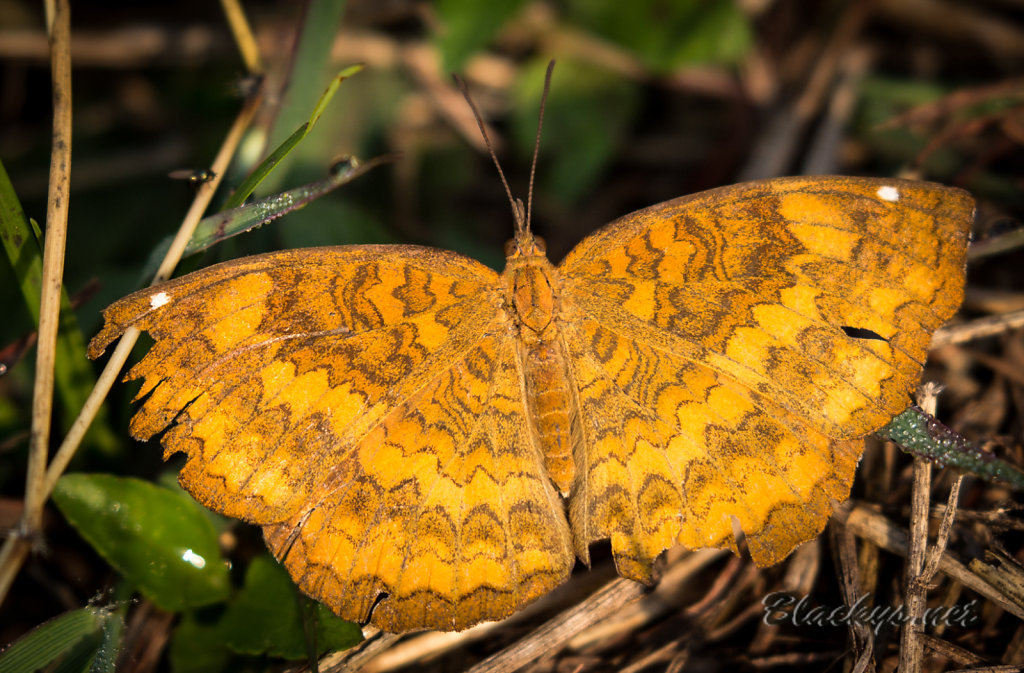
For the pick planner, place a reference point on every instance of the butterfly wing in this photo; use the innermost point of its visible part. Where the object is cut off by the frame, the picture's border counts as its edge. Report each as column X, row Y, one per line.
column 363, row 405
column 718, row 346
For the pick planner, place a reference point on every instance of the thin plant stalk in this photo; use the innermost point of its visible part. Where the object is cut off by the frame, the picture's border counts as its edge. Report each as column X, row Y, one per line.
column 244, row 38
column 16, row 546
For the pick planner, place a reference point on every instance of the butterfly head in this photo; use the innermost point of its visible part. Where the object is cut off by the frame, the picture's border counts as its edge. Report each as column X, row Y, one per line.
column 525, row 245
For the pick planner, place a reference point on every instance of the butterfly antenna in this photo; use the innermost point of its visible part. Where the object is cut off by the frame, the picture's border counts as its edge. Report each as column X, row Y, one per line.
column 536, row 144
column 517, row 208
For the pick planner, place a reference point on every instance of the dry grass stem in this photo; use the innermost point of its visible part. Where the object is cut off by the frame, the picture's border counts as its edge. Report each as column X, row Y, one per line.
column 244, row 38
column 977, row 329
column 559, row 630
column 880, row 531
column 41, row 480
column 16, row 547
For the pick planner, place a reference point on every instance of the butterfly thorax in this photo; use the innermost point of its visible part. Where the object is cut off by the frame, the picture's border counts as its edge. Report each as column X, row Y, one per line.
column 532, row 287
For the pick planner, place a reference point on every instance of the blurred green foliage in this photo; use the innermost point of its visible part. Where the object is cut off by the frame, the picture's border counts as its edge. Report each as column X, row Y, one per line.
column 668, row 34
column 468, row 26
column 266, row 617
column 577, row 148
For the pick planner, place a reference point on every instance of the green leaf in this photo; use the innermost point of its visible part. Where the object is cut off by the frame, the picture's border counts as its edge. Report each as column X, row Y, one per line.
column 669, row 35
column 158, row 541
column 73, row 375
column 468, row 26
column 575, row 146
column 70, row 641
column 197, row 646
column 332, row 632
column 265, row 617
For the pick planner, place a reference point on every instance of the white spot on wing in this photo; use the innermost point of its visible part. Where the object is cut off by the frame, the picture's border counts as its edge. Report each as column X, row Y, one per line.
column 888, row 193
column 159, row 299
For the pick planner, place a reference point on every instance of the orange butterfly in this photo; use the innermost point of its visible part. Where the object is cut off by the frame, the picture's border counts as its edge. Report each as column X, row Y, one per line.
column 407, row 425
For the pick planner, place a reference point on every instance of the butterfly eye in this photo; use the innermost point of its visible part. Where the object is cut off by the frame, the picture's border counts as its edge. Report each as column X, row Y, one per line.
column 540, row 243
column 510, row 247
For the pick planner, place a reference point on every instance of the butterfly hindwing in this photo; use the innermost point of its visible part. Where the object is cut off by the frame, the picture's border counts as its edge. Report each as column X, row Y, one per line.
column 444, row 507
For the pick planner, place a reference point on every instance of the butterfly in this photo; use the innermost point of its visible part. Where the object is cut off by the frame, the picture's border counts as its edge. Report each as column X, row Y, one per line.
column 428, row 444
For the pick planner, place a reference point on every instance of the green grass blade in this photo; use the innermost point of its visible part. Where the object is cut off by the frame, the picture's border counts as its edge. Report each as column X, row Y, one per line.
column 308, row 67
column 225, row 224
column 63, row 636
column 920, row 434
column 73, row 374
column 270, row 163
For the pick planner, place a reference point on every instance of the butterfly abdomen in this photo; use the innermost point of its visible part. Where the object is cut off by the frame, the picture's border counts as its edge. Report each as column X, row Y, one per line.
column 550, row 403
